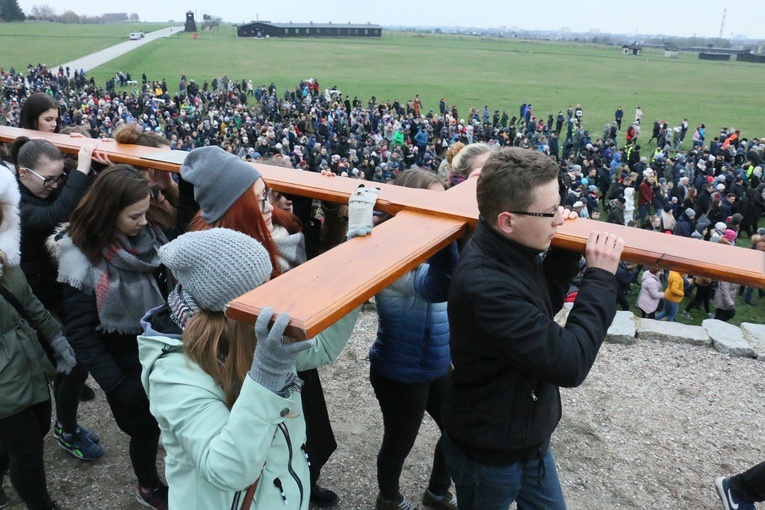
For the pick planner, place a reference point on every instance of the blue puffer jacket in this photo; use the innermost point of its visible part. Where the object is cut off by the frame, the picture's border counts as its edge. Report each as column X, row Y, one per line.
column 412, row 343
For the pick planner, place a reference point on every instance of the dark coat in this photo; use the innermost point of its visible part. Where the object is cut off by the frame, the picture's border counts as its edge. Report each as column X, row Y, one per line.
column 510, row 357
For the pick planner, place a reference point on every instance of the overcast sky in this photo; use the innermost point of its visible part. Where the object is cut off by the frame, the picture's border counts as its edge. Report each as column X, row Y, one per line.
column 677, row 17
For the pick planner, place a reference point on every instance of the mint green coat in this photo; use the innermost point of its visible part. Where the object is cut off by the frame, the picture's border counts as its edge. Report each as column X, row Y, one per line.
column 214, row 453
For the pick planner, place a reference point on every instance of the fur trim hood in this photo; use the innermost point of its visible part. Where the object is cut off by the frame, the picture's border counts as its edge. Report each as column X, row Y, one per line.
column 53, row 242
column 10, row 228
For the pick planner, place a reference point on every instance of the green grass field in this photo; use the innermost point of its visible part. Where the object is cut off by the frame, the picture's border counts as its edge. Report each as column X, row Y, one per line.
column 467, row 71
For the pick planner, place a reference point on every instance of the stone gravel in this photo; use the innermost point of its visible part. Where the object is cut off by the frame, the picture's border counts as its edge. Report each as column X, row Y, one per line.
column 651, row 427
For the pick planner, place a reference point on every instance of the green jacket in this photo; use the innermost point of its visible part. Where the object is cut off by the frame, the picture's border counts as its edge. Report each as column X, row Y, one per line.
column 24, row 368
column 214, row 453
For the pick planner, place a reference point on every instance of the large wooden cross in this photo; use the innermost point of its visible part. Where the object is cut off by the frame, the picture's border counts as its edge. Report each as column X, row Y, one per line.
column 324, row 289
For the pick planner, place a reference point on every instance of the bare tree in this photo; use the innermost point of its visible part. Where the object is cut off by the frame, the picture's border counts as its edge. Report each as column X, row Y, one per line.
column 43, row 12
column 69, row 17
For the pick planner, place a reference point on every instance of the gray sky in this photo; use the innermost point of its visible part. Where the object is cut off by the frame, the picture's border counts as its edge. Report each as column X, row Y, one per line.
column 677, row 17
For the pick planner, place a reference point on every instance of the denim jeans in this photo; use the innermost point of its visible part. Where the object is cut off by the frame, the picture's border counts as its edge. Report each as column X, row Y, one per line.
column 670, row 311
column 534, row 484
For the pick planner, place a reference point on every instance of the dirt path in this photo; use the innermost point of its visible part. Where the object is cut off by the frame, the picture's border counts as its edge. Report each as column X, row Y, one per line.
column 651, row 427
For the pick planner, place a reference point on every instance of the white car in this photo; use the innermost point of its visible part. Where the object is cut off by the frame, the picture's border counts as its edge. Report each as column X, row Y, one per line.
column 134, row 36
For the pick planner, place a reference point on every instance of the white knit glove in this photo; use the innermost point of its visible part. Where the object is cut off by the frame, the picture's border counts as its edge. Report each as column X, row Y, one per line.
column 360, row 209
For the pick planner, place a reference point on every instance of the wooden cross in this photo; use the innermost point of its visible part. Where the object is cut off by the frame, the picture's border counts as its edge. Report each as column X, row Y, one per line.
column 324, row 289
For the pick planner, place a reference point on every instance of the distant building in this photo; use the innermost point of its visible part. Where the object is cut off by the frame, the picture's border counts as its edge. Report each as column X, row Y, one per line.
column 632, row 49
column 707, row 55
column 267, row 29
column 191, row 25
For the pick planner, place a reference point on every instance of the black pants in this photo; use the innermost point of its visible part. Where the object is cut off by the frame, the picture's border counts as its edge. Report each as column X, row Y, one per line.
column 320, row 439
column 644, row 315
column 750, row 485
column 66, row 392
column 701, row 296
column 403, row 407
column 21, row 445
column 724, row 315
column 621, row 300
column 135, row 420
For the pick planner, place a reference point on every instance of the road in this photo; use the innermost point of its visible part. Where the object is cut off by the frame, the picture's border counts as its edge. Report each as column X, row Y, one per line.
column 98, row 58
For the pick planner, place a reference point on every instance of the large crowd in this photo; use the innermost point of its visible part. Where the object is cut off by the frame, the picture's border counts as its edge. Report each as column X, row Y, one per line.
column 136, row 256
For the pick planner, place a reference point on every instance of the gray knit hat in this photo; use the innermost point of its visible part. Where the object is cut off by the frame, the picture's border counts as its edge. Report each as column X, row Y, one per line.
column 219, row 179
column 216, row 266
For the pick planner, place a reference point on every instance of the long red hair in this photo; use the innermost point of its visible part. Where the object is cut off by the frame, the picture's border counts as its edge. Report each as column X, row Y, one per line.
column 244, row 216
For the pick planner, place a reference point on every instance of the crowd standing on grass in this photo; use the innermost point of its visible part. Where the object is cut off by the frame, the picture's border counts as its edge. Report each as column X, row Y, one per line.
column 673, row 179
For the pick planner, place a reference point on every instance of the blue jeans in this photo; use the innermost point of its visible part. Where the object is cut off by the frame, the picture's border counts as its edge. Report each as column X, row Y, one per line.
column 670, row 311
column 533, row 484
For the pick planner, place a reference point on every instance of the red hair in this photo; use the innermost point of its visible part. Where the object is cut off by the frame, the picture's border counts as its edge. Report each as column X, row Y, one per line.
column 244, row 216
column 287, row 220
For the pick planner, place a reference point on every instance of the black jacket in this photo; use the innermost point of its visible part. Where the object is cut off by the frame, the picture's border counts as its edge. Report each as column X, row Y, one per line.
column 510, row 357
column 39, row 218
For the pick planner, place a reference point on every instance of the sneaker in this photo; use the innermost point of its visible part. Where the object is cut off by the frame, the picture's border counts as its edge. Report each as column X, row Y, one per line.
column 86, row 393
column 95, row 438
column 710, row 316
column 686, row 315
column 3, row 498
column 80, row 446
column 729, row 501
column 323, row 498
column 446, row 502
column 398, row 503
column 152, row 498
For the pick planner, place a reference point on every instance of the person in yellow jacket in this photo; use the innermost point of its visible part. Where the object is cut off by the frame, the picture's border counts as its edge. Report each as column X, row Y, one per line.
column 673, row 295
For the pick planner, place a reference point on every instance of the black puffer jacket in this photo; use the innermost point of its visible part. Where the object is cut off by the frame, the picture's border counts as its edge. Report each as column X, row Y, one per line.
column 510, row 357
column 39, row 218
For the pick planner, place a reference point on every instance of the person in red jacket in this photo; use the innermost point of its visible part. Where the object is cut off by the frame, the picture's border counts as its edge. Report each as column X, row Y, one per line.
column 645, row 195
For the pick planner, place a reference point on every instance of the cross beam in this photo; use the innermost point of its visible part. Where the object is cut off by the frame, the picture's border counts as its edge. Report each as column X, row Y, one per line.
column 324, row 289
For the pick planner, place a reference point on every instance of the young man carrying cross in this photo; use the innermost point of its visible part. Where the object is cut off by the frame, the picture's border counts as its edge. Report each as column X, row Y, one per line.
column 510, row 357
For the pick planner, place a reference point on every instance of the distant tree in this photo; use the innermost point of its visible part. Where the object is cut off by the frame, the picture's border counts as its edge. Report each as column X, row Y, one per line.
column 10, row 11
column 43, row 12
column 115, row 17
column 134, row 17
column 69, row 17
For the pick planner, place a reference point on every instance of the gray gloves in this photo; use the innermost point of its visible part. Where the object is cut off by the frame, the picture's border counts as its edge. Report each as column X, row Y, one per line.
column 64, row 354
column 274, row 360
column 360, row 210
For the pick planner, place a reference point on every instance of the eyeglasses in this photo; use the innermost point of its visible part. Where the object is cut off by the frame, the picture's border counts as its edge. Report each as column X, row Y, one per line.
column 48, row 182
column 538, row 214
column 266, row 198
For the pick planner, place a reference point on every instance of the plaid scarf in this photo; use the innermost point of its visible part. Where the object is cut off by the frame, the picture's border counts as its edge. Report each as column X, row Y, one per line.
column 122, row 281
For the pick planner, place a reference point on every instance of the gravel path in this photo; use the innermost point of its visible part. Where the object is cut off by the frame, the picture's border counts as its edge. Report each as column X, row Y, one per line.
column 650, row 428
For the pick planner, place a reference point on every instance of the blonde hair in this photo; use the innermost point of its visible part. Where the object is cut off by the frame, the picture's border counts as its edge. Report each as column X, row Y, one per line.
column 222, row 347
column 462, row 162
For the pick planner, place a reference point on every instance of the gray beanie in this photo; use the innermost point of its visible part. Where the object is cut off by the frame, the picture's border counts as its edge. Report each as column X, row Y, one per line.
column 219, row 179
column 690, row 213
column 216, row 266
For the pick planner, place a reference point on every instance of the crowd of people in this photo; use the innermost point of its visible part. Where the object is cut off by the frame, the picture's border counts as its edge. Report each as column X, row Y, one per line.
column 124, row 291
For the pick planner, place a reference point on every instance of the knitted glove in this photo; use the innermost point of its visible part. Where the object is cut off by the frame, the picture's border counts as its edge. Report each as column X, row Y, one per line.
column 360, row 208
column 64, row 354
column 274, row 360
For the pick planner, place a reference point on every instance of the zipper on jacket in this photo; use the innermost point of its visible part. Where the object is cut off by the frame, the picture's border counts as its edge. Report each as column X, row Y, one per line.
column 533, row 396
column 278, row 485
column 305, row 451
column 292, row 472
column 235, row 500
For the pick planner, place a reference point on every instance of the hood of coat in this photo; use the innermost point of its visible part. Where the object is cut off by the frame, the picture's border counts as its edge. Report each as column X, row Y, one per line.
column 10, row 228
column 53, row 242
column 154, row 344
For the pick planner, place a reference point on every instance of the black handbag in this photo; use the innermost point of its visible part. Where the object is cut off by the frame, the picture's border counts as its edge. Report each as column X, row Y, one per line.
column 24, row 315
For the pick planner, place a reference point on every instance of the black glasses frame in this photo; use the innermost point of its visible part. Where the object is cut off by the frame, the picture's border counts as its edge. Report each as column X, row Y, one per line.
column 537, row 214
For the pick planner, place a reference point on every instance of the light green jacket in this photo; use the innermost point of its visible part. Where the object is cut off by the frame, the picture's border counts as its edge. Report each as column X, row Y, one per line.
column 24, row 368
column 214, row 453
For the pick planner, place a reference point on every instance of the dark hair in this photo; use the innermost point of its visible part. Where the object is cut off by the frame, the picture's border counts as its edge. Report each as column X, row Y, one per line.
column 93, row 220
column 26, row 152
column 509, row 180
column 33, row 107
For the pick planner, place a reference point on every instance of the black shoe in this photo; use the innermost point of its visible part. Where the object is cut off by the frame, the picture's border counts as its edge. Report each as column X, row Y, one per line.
column 86, row 393
column 322, row 497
